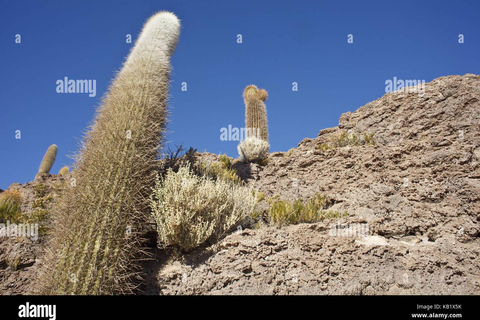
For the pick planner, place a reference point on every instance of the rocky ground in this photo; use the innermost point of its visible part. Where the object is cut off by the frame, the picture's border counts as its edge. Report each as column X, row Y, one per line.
column 413, row 204
column 19, row 256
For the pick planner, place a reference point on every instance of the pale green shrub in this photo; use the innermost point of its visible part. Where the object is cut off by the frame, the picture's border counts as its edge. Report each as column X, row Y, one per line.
column 190, row 210
column 253, row 150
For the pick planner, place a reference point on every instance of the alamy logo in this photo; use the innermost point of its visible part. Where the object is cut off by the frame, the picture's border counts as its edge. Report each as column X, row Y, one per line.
column 66, row 85
column 19, row 230
column 28, row 310
column 349, row 230
column 407, row 86
column 231, row 133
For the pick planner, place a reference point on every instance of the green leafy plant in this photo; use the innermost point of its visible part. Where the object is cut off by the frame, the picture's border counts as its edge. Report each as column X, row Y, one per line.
column 282, row 212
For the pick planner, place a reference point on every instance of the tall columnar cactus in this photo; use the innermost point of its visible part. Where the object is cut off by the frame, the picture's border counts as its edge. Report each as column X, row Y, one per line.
column 96, row 237
column 256, row 112
column 255, row 147
column 48, row 160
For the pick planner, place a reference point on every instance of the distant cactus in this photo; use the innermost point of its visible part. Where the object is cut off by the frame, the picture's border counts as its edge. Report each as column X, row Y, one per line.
column 47, row 161
column 64, row 171
column 255, row 112
column 255, row 147
column 10, row 205
column 95, row 242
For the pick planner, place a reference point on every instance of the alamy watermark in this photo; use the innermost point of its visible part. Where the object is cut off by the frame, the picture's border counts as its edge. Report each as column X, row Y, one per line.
column 406, row 86
column 349, row 230
column 231, row 133
column 19, row 230
column 28, row 310
column 66, row 85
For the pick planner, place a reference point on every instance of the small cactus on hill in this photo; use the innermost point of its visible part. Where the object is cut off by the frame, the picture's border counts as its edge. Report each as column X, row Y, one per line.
column 47, row 161
column 255, row 112
column 255, row 147
column 63, row 171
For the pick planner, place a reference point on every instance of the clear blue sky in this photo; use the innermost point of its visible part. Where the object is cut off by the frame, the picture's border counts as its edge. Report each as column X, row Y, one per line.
column 283, row 42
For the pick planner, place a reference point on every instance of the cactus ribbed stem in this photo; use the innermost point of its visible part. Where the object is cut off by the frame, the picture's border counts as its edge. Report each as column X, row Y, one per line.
column 48, row 160
column 255, row 112
column 114, row 174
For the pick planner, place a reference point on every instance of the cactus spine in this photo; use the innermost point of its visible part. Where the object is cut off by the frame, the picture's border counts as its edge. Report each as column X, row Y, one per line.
column 95, row 241
column 256, row 112
column 48, row 160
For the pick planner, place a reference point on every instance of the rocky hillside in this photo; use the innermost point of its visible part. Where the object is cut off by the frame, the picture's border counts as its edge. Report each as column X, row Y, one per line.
column 20, row 256
column 415, row 195
column 406, row 170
